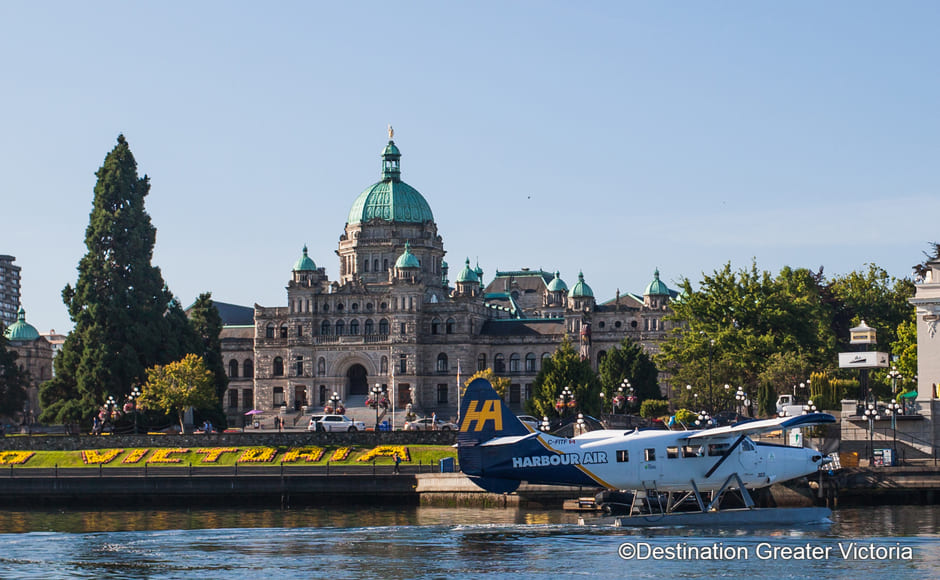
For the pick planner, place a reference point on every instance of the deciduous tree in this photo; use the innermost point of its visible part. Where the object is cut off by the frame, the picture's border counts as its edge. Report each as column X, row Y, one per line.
column 178, row 386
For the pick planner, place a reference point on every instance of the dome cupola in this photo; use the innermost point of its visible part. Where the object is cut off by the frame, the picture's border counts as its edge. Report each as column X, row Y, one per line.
column 304, row 264
column 21, row 330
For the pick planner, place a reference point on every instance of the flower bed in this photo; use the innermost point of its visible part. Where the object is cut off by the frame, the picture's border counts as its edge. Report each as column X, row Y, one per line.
column 15, row 457
column 386, row 451
column 95, row 457
column 307, row 454
column 135, row 456
column 258, row 455
column 166, row 455
column 340, row 454
column 212, row 454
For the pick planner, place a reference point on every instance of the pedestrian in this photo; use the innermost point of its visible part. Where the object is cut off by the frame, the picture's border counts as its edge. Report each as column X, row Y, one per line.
column 433, row 421
column 280, row 424
column 397, row 458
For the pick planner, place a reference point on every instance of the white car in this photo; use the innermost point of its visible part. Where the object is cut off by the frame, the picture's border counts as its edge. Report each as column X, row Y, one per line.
column 314, row 422
column 425, row 425
column 340, row 423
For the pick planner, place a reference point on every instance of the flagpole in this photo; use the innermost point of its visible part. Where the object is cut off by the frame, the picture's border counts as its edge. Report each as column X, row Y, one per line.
column 393, row 393
column 458, row 391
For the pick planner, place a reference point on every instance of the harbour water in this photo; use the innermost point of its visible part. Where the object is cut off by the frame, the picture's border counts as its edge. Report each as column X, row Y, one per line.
column 429, row 542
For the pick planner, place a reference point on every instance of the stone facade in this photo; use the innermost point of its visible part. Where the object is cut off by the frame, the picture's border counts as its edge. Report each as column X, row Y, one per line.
column 393, row 319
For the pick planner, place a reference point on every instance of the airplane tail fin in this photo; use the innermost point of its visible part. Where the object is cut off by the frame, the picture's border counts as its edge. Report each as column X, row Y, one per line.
column 484, row 416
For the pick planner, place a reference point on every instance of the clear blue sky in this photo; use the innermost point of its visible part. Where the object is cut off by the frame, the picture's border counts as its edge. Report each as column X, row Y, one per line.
column 608, row 137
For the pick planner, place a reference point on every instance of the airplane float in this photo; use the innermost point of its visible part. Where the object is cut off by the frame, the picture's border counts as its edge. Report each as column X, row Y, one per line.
column 497, row 451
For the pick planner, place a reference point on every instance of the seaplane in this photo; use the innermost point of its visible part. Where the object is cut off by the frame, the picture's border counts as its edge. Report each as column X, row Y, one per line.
column 497, row 452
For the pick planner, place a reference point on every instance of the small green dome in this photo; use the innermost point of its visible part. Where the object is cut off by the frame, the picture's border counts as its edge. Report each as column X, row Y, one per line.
column 467, row 274
column 407, row 259
column 581, row 289
column 557, row 285
column 304, row 263
column 21, row 330
column 656, row 287
column 390, row 199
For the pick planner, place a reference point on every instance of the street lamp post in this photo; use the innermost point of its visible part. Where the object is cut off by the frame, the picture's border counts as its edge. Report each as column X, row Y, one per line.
column 740, row 397
column 703, row 419
column 135, row 393
column 871, row 413
column 625, row 386
column 334, row 401
column 545, row 424
column 564, row 398
column 894, row 375
column 376, row 393
column 894, row 409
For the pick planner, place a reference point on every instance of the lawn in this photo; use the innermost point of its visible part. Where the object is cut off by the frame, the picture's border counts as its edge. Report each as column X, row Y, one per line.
column 229, row 456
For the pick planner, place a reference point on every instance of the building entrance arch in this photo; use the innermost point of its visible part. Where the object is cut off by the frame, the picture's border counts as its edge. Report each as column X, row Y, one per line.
column 357, row 380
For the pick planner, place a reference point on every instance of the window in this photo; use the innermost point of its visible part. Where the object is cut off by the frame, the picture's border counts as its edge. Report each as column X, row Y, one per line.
column 746, row 445
column 269, row 331
column 442, row 394
column 481, row 362
column 375, row 265
column 383, row 326
column 601, row 324
column 248, row 369
column 692, row 451
column 323, row 394
column 233, row 398
column 279, row 396
column 442, row 363
column 325, row 328
column 233, row 369
column 340, row 328
column 530, row 362
column 717, row 449
column 672, row 452
column 514, row 362
column 365, row 265
column 321, row 367
column 435, row 326
column 354, row 327
column 283, row 331
column 649, row 454
column 515, row 392
column 339, row 307
column 403, row 328
column 499, row 364
column 451, row 324
column 623, row 456
column 300, row 330
column 368, row 327
column 385, row 265
column 403, row 363
column 278, row 370
column 248, row 399
column 299, row 366
column 618, row 324
column 355, row 307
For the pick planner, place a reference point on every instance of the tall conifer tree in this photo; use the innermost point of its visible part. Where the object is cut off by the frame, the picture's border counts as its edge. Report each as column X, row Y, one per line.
column 207, row 324
column 12, row 380
column 118, row 303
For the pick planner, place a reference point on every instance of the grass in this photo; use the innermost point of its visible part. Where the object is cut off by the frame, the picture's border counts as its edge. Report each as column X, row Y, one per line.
column 425, row 454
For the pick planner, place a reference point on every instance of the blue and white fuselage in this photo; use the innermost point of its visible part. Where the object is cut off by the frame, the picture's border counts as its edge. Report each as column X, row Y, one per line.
column 498, row 451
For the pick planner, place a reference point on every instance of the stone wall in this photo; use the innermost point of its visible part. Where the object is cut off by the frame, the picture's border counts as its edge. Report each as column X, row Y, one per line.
column 358, row 439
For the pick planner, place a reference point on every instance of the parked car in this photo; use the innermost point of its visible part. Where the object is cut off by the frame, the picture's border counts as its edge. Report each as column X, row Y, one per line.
column 340, row 423
column 530, row 421
column 425, row 425
column 314, row 424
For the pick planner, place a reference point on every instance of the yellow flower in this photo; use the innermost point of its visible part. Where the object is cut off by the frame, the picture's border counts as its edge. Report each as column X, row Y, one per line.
column 135, row 456
column 308, row 454
column 387, row 451
column 15, row 457
column 164, row 455
column 94, row 457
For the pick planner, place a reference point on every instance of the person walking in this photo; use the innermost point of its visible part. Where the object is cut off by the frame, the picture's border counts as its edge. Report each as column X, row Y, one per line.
column 397, row 458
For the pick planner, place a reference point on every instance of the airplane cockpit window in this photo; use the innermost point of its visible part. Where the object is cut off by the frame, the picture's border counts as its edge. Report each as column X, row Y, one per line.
column 649, row 454
column 692, row 451
column 672, row 452
column 747, row 445
column 717, row 449
column 623, row 456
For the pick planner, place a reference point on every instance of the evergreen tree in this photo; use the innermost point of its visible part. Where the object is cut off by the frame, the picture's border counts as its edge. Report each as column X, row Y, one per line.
column 565, row 369
column 118, row 303
column 629, row 361
column 12, row 380
column 206, row 323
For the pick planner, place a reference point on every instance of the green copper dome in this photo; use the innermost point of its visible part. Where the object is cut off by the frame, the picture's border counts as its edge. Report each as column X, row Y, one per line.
column 656, row 287
column 467, row 274
column 304, row 263
column 581, row 289
column 390, row 199
column 557, row 285
column 407, row 259
column 21, row 330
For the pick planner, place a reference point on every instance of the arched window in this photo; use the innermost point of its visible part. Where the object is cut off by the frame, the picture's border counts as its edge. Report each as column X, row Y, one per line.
column 499, row 364
column 435, row 326
column 299, row 366
column 383, row 326
column 354, row 327
column 283, row 331
column 233, row 369
column 375, row 264
column 481, row 362
column 530, row 362
column 278, row 370
column 269, row 331
column 384, row 365
column 340, row 328
column 514, row 362
column 442, row 363
column 545, row 355
column 385, row 265
column 450, row 325
column 365, row 265
column 321, row 367
column 325, row 328
column 248, row 369
column 369, row 326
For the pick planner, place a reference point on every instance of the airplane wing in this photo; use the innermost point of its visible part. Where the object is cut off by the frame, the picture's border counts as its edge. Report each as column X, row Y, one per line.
column 763, row 426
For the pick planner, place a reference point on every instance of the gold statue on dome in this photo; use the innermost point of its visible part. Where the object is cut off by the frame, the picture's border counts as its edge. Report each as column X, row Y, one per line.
column 391, row 133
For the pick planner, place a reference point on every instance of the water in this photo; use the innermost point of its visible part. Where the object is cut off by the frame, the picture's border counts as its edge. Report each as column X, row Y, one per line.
column 452, row 543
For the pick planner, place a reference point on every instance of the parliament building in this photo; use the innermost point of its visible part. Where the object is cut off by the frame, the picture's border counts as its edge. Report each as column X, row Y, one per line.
column 399, row 317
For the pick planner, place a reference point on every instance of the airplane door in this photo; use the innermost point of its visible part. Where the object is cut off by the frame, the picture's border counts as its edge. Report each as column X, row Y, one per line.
column 751, row 461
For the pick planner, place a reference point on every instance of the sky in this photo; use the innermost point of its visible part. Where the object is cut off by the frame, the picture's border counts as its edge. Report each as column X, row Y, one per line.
column 612, row 138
